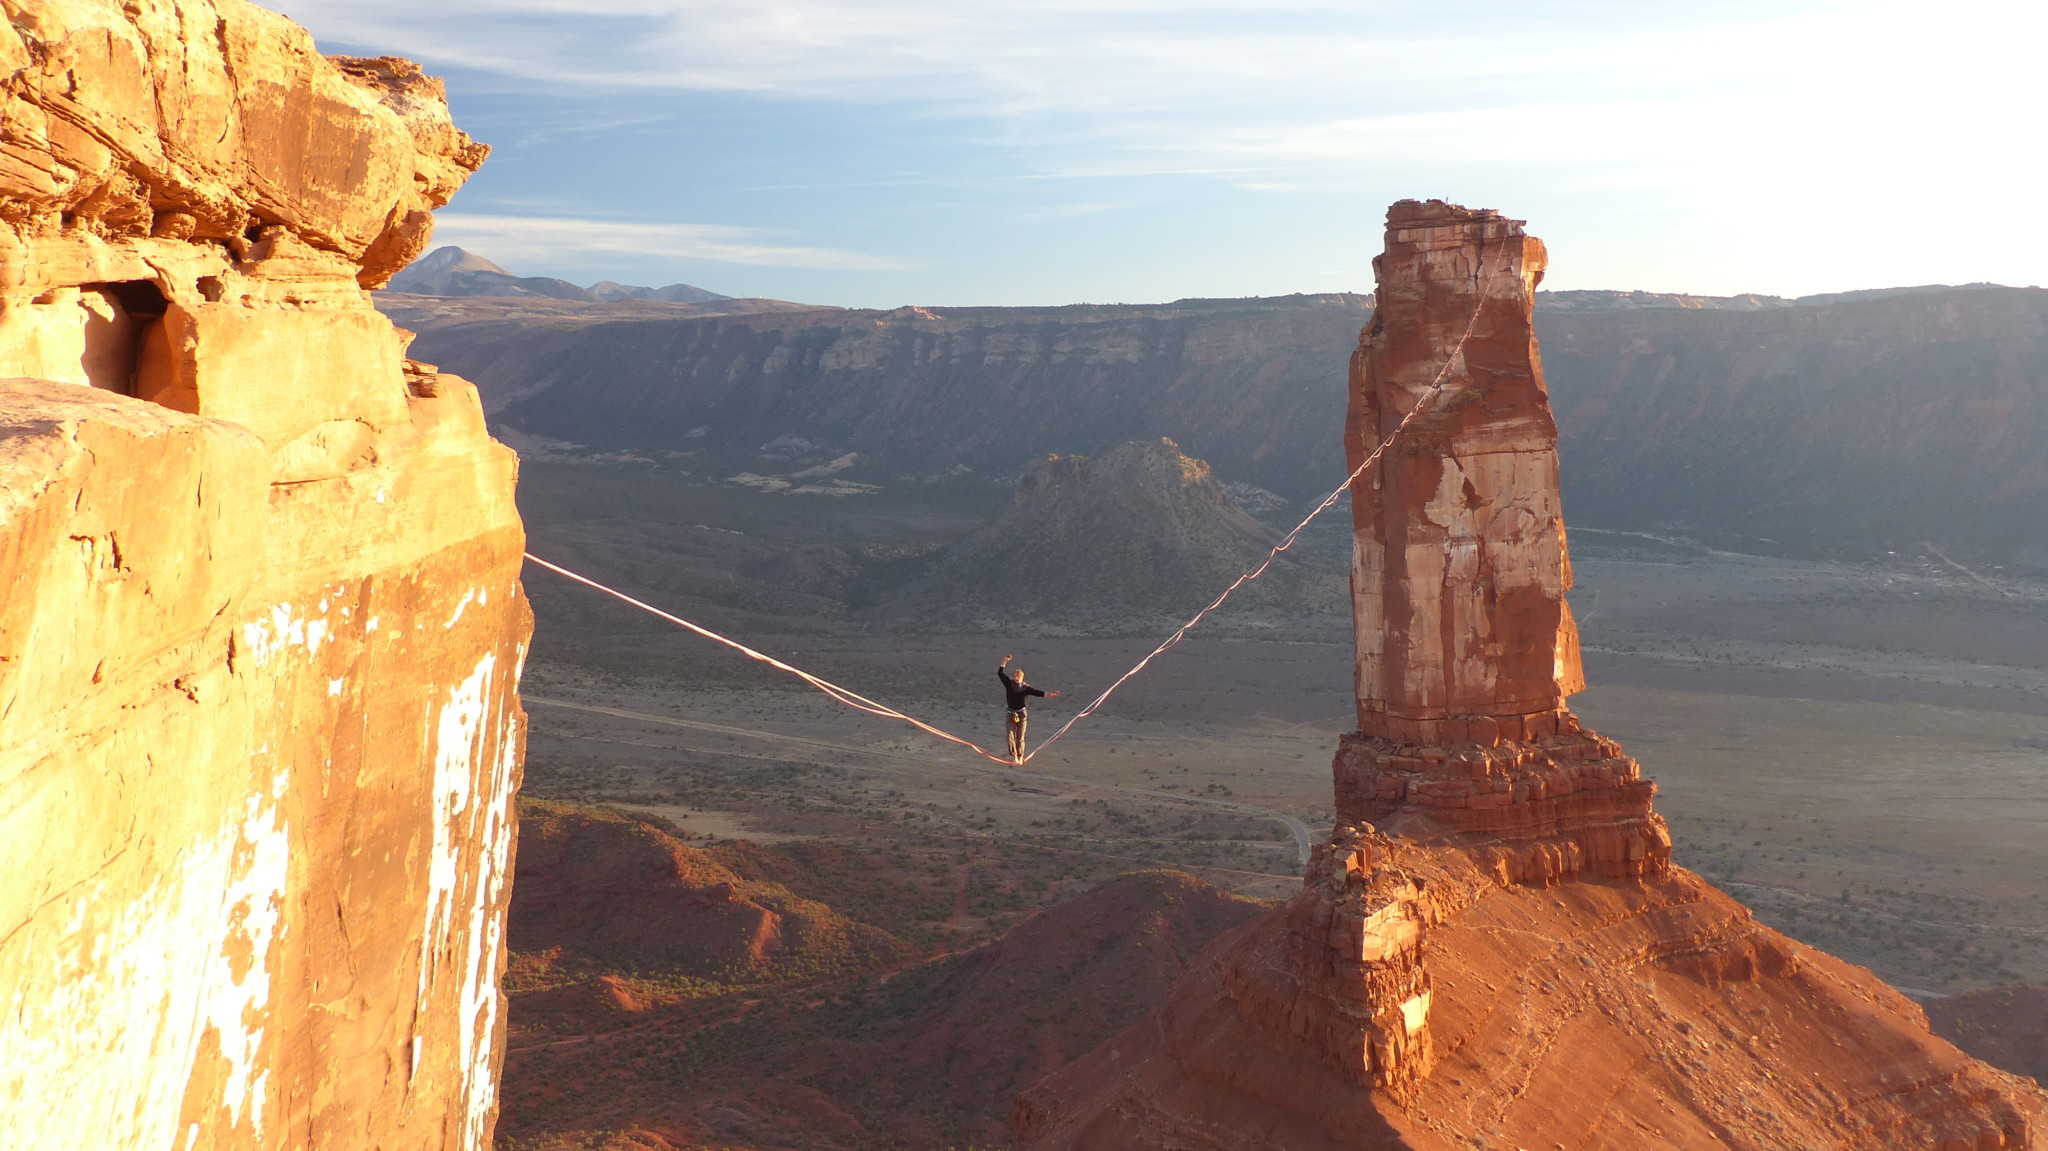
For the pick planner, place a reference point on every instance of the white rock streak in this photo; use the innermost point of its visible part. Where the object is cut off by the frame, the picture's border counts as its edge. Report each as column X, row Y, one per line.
column 238, row 989
column 266, row 636
column 187, row 962
column 475, row 757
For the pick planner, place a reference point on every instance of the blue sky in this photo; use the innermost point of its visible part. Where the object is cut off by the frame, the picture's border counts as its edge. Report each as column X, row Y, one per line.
column 890, row 152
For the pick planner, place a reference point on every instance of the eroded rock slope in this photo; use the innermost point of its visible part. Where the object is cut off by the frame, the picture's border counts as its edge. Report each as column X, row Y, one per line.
column 1140, row 533
column 261, row 626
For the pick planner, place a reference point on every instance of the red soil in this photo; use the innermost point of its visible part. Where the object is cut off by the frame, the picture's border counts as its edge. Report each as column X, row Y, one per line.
column 621, row 894
column 621, row 1041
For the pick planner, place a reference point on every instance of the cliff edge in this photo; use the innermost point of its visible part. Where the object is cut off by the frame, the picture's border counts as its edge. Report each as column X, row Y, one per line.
column 260, row 618
column 1494, row 949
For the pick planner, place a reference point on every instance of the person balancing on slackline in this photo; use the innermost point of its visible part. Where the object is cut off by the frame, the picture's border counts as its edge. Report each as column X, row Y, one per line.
column 1018, row 695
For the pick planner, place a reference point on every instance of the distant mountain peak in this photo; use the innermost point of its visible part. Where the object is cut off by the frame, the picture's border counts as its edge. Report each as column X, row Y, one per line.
column 675, row 293
column 450, row 258
column 453, row 271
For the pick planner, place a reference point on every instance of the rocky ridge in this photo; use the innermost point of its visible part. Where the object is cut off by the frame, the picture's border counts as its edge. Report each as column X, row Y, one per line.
column 1830, row 425
column 451, row 271
column 263, row 627
column 615, row 892
column 1494, row 948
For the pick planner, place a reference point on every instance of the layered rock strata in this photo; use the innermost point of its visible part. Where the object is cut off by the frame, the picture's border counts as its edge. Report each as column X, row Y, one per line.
column 261, row 626
column 1494, row 948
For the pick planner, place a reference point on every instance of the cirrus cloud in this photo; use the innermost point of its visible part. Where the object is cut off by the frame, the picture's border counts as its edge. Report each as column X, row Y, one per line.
column 1694, row 145
column 558, row 241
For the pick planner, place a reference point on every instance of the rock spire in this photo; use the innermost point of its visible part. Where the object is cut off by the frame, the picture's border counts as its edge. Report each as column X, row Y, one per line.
column 1494, row 948
column 1466, row 646
column 1460, row 569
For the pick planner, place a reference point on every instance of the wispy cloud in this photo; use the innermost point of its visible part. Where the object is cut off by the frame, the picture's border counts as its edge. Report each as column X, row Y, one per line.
column 556, row 241
column 1054, row 213
column 1791, row 131
column 1188, row 83
column 1109, row 56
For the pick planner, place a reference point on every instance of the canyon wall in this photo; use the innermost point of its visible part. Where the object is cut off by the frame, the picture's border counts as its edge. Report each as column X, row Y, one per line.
column 1494, row 948
column 260, row 618
column 1872, row 420
column 1243, row 384
column 1869, row 420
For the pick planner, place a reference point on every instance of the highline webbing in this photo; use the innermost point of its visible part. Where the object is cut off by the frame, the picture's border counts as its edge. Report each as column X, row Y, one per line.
column 860, row 702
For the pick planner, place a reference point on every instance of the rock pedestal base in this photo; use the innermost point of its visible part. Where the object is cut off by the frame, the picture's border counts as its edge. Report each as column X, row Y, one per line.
column 1410, row 998
column 1537, row 811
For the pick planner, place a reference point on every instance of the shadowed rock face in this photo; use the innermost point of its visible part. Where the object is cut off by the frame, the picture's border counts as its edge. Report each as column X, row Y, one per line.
column 1494, row 949
column 261, row 627
column 2004, row 1026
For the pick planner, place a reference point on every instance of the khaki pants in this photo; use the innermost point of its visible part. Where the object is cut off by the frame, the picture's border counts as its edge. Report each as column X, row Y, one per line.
column 1016, row 726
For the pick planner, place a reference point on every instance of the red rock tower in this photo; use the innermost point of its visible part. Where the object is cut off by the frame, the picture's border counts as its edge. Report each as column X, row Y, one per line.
column 1494, row 948
column 1460, row 569
column 1466, row 647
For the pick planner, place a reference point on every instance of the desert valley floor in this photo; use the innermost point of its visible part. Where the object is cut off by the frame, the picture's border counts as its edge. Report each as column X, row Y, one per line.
column 1858, row 748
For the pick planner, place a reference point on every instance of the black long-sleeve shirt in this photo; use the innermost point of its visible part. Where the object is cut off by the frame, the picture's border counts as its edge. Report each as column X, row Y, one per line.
column 1018, row 692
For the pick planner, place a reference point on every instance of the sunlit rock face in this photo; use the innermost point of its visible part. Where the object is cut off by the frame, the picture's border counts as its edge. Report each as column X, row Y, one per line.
column 260, row 619
column 1459, row 570
column 1466, row 647
column 1494, row 948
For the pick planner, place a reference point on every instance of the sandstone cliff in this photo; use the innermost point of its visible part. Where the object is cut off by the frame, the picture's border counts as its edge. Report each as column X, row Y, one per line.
column 1243, row 384
column 1494, row 948
column 1459, row 568
column 262, row 627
